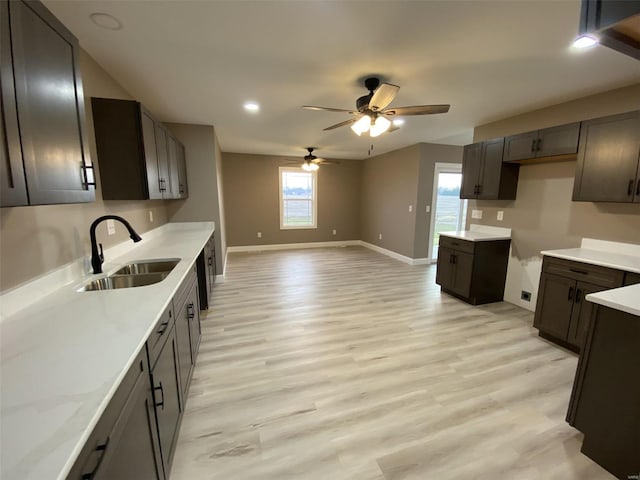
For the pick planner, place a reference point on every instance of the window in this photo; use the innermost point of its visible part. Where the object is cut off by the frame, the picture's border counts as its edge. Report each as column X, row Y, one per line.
column 298, row 198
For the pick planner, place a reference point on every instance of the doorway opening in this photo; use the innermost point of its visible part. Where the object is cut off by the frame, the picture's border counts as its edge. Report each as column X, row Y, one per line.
column 448, row 211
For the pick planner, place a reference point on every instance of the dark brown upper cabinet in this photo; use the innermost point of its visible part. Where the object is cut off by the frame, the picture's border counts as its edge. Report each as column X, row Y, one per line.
column 44, row 155
column 614, row 22
column 484, row 175
column 177, row 168
column 609, row 159
column 560, row 141
column 134, row 152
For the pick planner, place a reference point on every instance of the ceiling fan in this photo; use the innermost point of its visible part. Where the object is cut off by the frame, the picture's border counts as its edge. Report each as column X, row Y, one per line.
column 371, row 110
column 311, row 163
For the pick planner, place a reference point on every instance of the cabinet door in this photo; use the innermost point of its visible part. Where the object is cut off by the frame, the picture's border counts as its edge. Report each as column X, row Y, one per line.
column 581, row 313
column 50, row 104
column 444, row 272
column 491, row 174
column 555, row 303
column 471, row 166
column 184, row 347
column 12, row 185
column 193, row 313
column 163, row 161
column 608, row 159
column 463, row 267
column 183, row 185
column 174, row 169
column 520, row 147
column 151, row 155
column 561, row 140
column 130, row 451
column 166, row 393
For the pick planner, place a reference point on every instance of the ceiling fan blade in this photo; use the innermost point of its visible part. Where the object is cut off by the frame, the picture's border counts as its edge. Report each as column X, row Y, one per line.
column 322, row 161
column 417, row 110
column 342, row 124
column 383, row 96
column 328, row 109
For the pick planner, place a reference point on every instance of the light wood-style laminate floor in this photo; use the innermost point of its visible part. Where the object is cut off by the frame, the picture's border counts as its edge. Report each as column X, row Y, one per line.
column 341, row 363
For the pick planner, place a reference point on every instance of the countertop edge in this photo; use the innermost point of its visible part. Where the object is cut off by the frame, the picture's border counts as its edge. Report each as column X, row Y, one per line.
column 590, row 261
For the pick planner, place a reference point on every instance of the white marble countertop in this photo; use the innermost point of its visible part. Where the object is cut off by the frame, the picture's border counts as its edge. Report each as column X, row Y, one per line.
column 620, row 261
column 64, row 356
column 480, row 233
column 626, row 299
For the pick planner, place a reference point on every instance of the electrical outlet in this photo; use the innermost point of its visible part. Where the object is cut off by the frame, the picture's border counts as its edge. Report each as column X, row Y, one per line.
column 428, row 208
column 111, row 227
column 526, row 296
column 410, row 208
column 334, row 231
column 379, row 236
column 477, row 214
column 259, row 234
column 151, row 216
column 500, row 215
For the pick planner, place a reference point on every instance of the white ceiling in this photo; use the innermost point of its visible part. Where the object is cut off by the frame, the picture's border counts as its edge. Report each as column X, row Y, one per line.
column 199, row 61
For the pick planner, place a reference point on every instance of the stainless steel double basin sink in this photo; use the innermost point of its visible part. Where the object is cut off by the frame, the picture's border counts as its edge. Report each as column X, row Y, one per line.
column 135, row 274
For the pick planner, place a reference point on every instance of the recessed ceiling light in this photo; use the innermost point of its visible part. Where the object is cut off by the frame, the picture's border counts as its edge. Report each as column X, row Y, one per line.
column 398, row 121
column 252, row 107
column 105, row 20
column 585, row 41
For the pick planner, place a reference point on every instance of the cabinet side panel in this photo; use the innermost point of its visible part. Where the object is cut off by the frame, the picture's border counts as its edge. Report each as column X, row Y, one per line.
column 118, row 145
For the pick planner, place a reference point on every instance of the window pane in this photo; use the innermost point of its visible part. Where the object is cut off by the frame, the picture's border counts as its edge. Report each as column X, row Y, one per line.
column 297, row 185
column 298, row 212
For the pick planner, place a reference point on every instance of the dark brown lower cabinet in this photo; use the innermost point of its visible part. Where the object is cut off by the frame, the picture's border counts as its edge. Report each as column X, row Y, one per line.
column 188, row 332
column 206, row 264
column 562, row 313
column 606, row 392
column 473, row 271
column 165, row 382
column 124, row 443
column 136, row 436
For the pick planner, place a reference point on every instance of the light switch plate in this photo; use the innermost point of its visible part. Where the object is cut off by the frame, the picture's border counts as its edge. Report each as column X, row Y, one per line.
column 477, row 214
column 428, row 208
column 334, row 231
column 111, row 227
column 500, row 215
column 410, row 208
column 151, row 216
column 379, row 236
column 259, row 234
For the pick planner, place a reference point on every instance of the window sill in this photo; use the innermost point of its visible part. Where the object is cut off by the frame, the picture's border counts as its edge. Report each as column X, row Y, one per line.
column 301, row 227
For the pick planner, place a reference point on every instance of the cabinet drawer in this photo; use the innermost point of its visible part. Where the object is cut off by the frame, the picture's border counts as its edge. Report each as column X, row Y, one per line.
column 603, row 276
column 185, row 286
column 158, row 337
column 457, row 244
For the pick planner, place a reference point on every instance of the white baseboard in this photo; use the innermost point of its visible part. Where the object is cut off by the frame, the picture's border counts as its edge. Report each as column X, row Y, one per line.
column 345, row 243
column 291, row 246
column 397, row 256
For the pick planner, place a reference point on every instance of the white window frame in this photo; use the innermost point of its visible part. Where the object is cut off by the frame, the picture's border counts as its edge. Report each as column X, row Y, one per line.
column 314, row 198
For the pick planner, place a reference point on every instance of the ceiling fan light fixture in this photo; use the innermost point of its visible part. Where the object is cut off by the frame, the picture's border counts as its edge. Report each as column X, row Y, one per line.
column 380, row 126
column 398, row 122
column 310, row 167
column 362, row 125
